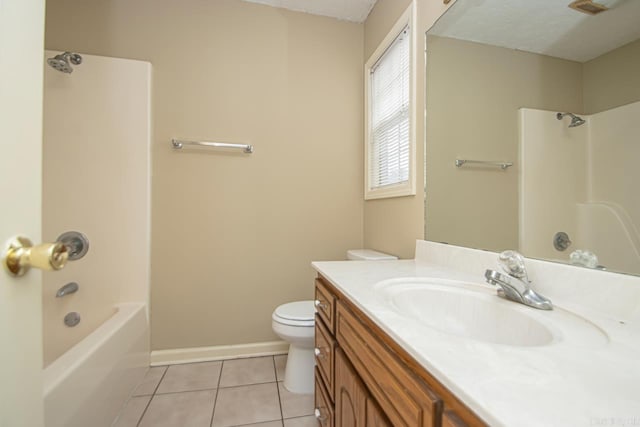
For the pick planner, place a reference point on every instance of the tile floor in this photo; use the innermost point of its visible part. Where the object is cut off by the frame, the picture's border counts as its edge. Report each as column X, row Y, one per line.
column 240, row 392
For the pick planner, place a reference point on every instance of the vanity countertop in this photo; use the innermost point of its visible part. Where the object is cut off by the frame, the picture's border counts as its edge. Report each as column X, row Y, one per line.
column 561, row 384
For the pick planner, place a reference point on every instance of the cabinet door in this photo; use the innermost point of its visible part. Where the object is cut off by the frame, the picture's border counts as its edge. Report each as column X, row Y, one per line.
column 375, row 416
column 405, row 399
column 350, row 395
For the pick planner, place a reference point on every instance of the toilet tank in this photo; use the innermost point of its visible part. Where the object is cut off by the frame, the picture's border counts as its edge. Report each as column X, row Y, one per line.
column 368, row 255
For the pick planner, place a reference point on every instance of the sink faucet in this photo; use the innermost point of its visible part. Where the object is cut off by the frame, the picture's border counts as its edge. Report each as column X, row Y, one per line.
column 515, row 285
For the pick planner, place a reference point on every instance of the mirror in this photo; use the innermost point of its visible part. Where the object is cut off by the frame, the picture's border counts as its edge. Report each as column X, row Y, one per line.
column 497, row 75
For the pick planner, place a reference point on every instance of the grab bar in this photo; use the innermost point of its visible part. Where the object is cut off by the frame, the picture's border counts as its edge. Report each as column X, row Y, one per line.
column 502, row 165
column 177, row 144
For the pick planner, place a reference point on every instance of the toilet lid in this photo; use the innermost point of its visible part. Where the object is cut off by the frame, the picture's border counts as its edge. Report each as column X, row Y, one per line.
column 299, row 310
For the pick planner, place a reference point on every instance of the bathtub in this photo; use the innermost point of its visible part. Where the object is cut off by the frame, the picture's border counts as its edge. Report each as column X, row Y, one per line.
column 88, row 384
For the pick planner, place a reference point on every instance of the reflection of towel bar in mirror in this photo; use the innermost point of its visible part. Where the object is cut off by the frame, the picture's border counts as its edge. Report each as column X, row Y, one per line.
column 501, row 165
column 177, row 144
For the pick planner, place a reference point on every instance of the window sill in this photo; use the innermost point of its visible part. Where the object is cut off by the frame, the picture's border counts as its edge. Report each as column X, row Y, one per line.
column 400, row 190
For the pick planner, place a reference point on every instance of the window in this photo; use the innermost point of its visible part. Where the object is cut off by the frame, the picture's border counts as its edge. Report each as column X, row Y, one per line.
column 390, row 148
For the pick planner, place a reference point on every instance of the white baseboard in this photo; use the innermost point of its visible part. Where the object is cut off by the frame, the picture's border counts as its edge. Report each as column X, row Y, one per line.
column 220, row 352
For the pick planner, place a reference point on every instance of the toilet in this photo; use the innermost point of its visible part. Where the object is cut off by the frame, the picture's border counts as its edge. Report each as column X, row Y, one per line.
column 294, row 323
column 368, row 255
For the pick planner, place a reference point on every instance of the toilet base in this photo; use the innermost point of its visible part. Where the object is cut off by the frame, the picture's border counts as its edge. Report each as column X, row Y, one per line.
column 298, row 375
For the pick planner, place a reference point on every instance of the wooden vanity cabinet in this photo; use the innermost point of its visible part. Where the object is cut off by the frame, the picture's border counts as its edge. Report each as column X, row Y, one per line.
column 365, row 379
column 325, row 345
column 324, row 407
column 354, row 405
column 325, row 303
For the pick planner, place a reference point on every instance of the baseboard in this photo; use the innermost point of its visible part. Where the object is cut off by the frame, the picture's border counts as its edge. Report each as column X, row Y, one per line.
column 220, row 352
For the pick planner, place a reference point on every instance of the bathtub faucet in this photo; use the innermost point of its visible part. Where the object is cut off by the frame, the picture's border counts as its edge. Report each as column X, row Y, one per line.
column 67, row 289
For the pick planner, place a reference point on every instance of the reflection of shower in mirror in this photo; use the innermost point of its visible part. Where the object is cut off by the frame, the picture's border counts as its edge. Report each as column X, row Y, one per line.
column 63, row 61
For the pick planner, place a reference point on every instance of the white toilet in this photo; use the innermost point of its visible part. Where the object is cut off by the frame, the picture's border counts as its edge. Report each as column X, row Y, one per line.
column 368, row 255
column 294, row 323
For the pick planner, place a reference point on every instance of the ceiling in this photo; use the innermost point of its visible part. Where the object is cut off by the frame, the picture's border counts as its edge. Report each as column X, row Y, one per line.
column 348, row 10
column 547, row 27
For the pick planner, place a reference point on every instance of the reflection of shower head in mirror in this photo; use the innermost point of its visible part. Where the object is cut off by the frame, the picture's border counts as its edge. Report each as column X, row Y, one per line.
column 63, row 61
column 575, row 120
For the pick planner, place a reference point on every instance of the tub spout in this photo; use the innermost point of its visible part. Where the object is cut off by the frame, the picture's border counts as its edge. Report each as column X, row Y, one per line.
column 67, row 289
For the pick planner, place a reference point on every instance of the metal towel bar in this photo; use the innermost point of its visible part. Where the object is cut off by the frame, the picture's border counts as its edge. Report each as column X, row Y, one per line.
column 177, row 144
column 502, row 165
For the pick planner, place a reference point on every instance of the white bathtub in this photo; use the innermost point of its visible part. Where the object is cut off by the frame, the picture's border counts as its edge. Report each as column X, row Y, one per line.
column 88, row 384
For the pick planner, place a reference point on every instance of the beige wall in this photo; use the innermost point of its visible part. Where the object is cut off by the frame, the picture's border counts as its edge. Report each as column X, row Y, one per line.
column 96, row 180
column 611, row 80
column 233, row 235
column 393, row 225
column 474, row 92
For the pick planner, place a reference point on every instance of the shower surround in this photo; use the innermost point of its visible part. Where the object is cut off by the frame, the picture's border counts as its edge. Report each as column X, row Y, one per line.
column 96, row 180
column 587, row 176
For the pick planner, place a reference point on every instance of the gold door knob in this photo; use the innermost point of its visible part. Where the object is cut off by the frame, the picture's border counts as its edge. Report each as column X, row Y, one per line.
column 21, row 255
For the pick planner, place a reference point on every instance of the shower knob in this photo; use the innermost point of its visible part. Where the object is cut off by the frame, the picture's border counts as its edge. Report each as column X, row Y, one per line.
column 21, row 255
column 76, row 242
column 561, row 241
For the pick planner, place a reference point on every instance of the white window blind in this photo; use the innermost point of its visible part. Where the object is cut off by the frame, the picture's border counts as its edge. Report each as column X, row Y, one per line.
column 389, row 150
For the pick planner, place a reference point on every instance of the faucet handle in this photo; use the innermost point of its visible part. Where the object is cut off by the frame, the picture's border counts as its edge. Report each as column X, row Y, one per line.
column 512, row 263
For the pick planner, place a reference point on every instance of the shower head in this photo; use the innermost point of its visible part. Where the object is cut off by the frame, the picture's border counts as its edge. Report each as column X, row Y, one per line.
column 575, row 120
column 62, row 62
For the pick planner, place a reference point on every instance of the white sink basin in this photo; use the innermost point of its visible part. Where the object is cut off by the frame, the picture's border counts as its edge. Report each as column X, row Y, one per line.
column 476, row 312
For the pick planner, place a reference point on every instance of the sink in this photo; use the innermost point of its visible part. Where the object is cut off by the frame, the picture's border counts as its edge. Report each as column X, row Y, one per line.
column 474, row 311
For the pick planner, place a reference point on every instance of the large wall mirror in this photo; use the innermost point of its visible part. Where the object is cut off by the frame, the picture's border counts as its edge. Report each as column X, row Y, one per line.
column 503, row 169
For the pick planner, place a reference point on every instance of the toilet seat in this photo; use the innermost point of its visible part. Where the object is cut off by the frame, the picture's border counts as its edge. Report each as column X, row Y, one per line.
column 299, row 313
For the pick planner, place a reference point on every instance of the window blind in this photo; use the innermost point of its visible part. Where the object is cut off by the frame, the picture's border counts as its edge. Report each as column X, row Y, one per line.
column 389, row 115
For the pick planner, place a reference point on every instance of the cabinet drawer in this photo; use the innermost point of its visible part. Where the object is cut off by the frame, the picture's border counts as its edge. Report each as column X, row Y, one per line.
column 323, row 406
column 405, row 399
column 325, row 347
column 325, row 305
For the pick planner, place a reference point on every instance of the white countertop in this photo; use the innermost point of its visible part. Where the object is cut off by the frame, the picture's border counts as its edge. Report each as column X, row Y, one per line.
column 561, row 384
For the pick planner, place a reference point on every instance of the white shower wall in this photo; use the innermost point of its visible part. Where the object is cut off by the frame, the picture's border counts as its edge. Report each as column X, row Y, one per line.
column 582, row 181
column 553, row 162
column 96, row 180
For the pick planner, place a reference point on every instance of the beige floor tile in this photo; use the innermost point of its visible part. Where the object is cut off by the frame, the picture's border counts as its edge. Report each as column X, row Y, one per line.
column 267, row 424
column 255, row 370
column 246, row 405
column 132, row 411
column 295, row 405
column 281, row 363
column 309, row 421
column 150, row 381
column 188, row 409
column 190, row 377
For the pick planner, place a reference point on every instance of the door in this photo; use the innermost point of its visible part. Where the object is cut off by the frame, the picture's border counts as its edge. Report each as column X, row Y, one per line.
column 21, row 51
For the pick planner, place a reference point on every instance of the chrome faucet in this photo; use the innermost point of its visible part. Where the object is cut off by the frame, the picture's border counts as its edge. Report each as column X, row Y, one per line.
column 515, row 285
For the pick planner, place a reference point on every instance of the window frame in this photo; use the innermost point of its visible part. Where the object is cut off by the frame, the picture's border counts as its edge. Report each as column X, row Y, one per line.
column 407, row 188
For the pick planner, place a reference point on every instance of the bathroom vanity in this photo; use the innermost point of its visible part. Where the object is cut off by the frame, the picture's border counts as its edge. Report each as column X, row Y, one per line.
column 364, row 378
column 426, row 342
